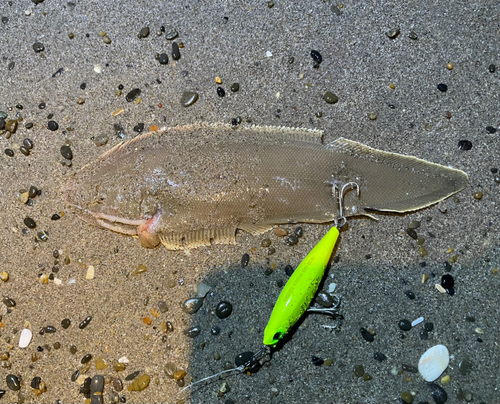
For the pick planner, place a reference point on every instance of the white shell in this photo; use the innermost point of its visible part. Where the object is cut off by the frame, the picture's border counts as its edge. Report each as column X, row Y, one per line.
column 417, row 321
column 434, row 362
column 25, row 338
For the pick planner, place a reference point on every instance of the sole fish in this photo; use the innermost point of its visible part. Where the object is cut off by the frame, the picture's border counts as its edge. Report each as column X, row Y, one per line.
column 192, row 185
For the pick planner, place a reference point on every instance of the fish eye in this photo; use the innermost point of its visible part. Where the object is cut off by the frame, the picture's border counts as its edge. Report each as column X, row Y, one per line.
column 278, row 336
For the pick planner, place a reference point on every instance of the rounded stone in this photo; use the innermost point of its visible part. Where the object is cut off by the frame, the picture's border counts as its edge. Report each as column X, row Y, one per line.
column 28, row 143
column 358, row 370
column 189, row 98
column 406, row 397
column 244, row 260
column 163, row 59
column 404, row 325
column 291, row 239
column 438, row 393
column 13, row 382
column 101, row 140
column 220, row 92
column 192, row 305
column 289, row 270
column 464, row 145
column 392, row 33
column 52, row 125
column 140, row 383
column 442, row 87
column 38, row 47
column 117, row 384
column 379, row 356
column 29, row 222
column 235, row 87
column 265, row 243
column 66, row 152
column 367, row 336
column 224, row 309
column 176, row 54
column 192, row 331
column 65, row 323
column 491, row 68
column 144, row 32
column 316, row 56
column 490, row 129
column 9, row 152
column 86, row 359
column 11, row 125
column 330, row 98
column 162, row 306
column 133, row 94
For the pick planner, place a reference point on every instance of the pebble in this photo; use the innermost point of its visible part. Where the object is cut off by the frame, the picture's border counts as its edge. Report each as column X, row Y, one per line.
column 235, row 87
column 442, row 87
column 189, row 98
column 392, row 33
column 106, row 39
column 163, row 59
column 379, row 356
column 25, row 338
column 139, row 270
column 410, row 294
column 86, row 359
column 445, row 379
column 449, row 66
column 289, row 270
column 52, row 125
column 119, row 367
column 192, row 305
column 244, row 260
column 265, row 243
column 464, row 145
column 170, row 369
column 358, row 370
column 447, row 281
column 4, row 276
column 490, row 129
column 224, row 309
column 11, row 126
column 324, row 299
column 96, row 388
column 38, row 47
column 35, row 382
column 491, row 68
column 101, row 363
column 144, row 32
column 407, row 397
column 316, row 56
column 328, row 362
column 162, row 306
column 367, row 336
column 101, row 140
column 291, row 239
column 409, row 368
column 412, row 233
column 133, row 94
column 9, row 152
column 65, row 323
column 13, row 382
column 438, row 393
column 330, row 98
column 24, row 151
column 139, row 383
column 478, row 195
column 9, row 302
column 192, row 332
column 28, row 143
column 280, row 232
column 133, row 375
column 85, row 322
column 179, row 375
column 465, row 367
column 176, row 54
column 29, row 222
column 117, row 384
column 404, row 325
column 317, row 361
column 66, row 152
column 2, row 123
column 417, row 321
column 220, row 92
column 171, row 35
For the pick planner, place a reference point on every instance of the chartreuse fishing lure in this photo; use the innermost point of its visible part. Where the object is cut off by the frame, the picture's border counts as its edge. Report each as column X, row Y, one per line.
column 296, row 296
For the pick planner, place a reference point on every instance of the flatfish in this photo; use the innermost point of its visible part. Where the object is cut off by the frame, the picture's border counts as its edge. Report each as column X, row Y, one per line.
column 198, row 184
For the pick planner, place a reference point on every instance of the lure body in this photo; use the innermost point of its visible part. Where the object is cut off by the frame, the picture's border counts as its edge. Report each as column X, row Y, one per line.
column 300, row 289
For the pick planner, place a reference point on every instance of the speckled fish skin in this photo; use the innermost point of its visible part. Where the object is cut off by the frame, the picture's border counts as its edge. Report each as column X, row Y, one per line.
column 192, row 185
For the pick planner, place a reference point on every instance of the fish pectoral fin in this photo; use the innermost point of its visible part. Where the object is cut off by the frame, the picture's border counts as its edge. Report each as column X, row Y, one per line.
column 255, row 229
column 198, row 238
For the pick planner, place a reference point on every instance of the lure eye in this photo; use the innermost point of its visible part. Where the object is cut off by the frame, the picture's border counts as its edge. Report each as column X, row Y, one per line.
column 278, row 336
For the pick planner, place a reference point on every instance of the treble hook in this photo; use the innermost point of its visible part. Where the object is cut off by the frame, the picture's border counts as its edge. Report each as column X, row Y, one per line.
column 341, row 220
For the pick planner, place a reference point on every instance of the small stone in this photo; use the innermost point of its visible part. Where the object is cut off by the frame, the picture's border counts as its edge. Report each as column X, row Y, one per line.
column 491, row 68
column 316, row 56
column 291, row 239
column 66, row 152
column 189, row 98
column 117, row 384
column 52, row 125
column 218, row 80
column 101, row 140
column 442, row 87
column 4, row 276
column 11, row 126
column 191, row 306
column 171, row 35
column 478, row 195
column 86, row 359
column 414, row 224
column 29, row 222
column 438, row 393
column 144, row 32
column 490, row 129
column 445, row 379
column 372, row 117
column 392, row 33
column 65, row 323
column 38, row 47
column 407, row 397
column 265, row 243
column 176, row 54
column 367, row 377
column 235, row 87
column 101, row 363
column 412, row 233
column 133, row 94
column 140, row 383
column 28, row 143
column 9, row 302
column 10, row 153
column 410, row 294
column 224, row 309
column 162, row 306
column 359, row 370
column 367, row 336
column 192, row 332
column 280, row 232
column 379, row 356
column 449, row 66
column 244, row 260
column 119, row 367
column 330, row 98
column 422, row 252
column 409, row 368
column 465, row 367
column 179, row 375
column 289, row 270
column 317, row 361
column 163, row 59
column 106, row 39
column 271, row 250
column 404, row 325
column 85, row 322
column 139, row 270
column 13, row 382
column 412, row 35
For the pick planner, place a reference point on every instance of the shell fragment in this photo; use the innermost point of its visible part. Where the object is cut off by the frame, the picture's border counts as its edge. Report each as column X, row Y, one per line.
column 434, row 362
column 25, row 338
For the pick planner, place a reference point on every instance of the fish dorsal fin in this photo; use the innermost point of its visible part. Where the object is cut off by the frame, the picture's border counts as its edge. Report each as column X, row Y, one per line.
column 197, row 238
column 255, row 229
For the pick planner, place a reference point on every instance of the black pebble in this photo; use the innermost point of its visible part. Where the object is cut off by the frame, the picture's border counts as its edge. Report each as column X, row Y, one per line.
column 244, row 260
column 9, row 302
column 29, row 222
column 409, row 368
column 317, row 361
column 447, row 266
column 215, row 330
column 492, row 68
column 379, row 356
column 13, row 382
column 66, row 152
column 224, row 309
column 120, row 87
column 58, row 72
column 41, row 105
column 35, row 382
column 220, row 92
column 163, row 59
column 24, row 150
column 33, row 191
column 83, row 86
column 316, row 56
column 447, row 281
column 464, row 145
column 424, row 335
column 299, row 231
column 50, row 329
column 291, row 239
column 85, row 322
column 438, row 393
column 9, row 152
column 28, row 143
column 243, row 358
column 176, row 54
column 139, row 127
column 289, row 270
column 55, row 216
column 85, row 387
column 2, row 393
column 53, row 125
column 429, row 326
column 410, row 294
column 2, row 123
column 86, row 359
column 38, row 47
column 404, row 325
column 442, row 87
column 412, row 233
column 366, row 335
column 133, row 94
column 490, row 129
